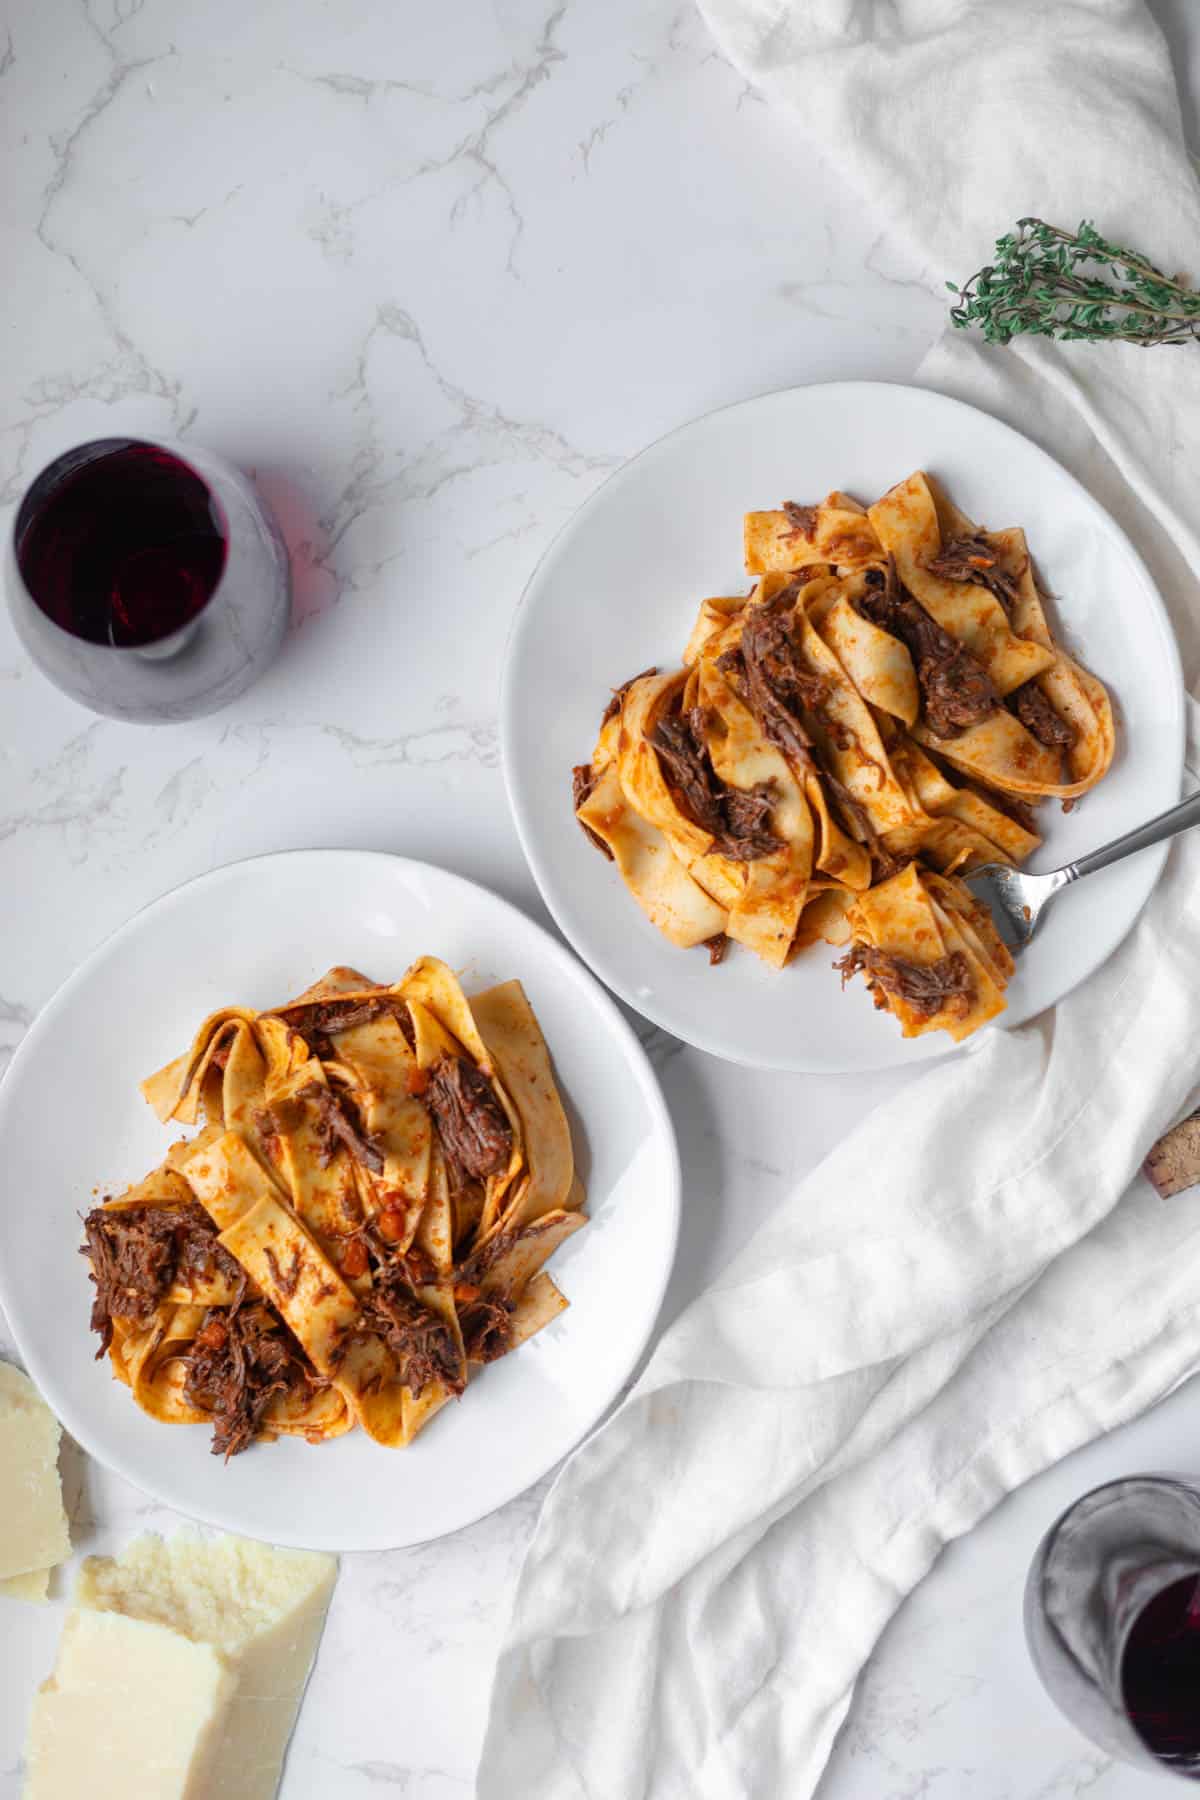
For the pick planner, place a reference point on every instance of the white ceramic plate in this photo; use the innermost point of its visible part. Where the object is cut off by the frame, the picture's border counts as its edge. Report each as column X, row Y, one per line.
column 618, row 591
column 72, row 1121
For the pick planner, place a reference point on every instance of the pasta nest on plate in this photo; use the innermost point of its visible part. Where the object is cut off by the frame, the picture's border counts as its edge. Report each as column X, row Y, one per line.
column 380, row 1174
column 876, row 718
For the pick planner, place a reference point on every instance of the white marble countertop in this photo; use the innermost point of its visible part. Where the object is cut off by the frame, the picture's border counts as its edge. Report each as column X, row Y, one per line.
column 430, row 272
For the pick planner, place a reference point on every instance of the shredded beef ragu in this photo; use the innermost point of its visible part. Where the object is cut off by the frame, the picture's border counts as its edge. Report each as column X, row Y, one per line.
column 486, row 1324
column 137, row 1252
column 928, row 988
column 472, row 1271
column 972, row 558
column 418, row 1269
column 472, row 1125
column 316, row 1021
column 1040, row 719
column 802, row 519
column 885, row 864
column 583, row 782
column 240, row 1359
column 956, row 690
column 746, row 813
column 736, row 818
column 777, row 685
column 617, row 696
column 338, row 1125
column 684, row 761
column 267, row 1126
column 843, row 805
column 420, row 1339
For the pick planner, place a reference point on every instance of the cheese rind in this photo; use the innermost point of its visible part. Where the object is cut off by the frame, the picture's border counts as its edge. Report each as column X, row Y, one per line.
column 262, row 1608
column 132, row 1708
column 34, row 1532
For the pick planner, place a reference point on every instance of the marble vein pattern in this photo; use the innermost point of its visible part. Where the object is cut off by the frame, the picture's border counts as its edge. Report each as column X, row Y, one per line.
column 429, row 274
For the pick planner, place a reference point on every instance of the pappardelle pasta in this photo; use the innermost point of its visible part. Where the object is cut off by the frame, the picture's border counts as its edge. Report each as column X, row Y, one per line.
column 380, row 1175
column 876, row 717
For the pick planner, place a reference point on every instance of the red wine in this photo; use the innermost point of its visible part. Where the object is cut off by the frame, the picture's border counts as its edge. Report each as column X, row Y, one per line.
column 125, row 547
column 1160, row 1675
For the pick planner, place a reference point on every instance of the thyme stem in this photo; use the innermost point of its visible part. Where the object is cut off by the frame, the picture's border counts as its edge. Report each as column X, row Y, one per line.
column 1054, row 283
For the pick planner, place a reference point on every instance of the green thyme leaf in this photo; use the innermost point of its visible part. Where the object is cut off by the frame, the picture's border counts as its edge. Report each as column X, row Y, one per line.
column 1072, row 285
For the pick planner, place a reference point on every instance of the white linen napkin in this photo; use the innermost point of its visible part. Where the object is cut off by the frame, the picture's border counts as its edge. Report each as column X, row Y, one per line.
column 979, row 1279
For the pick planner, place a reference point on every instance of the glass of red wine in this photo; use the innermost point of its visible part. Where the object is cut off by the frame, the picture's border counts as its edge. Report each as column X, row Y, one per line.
column 1112, row 1615
column 149, row 584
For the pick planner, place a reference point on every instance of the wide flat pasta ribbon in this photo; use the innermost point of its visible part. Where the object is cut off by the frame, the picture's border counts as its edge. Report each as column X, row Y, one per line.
column 838, row 531
column 906, row 522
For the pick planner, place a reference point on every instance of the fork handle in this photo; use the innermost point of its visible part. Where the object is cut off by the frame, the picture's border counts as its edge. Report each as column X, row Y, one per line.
column 1154, row 831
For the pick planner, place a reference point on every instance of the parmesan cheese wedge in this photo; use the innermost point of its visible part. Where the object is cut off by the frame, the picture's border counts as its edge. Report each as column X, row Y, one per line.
column 35, row 1534
column 132, row 1708
column 33, row 1585
column 259, row 1610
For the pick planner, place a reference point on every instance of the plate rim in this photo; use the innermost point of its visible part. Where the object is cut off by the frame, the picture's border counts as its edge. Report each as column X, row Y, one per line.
column 669, row 1195
column 519, row 624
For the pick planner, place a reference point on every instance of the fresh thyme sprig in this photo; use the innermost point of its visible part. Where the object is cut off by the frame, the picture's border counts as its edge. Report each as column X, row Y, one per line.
column 1066, row 284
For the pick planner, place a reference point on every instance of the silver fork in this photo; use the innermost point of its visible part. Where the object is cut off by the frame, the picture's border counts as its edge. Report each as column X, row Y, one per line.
column 1018, row 901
